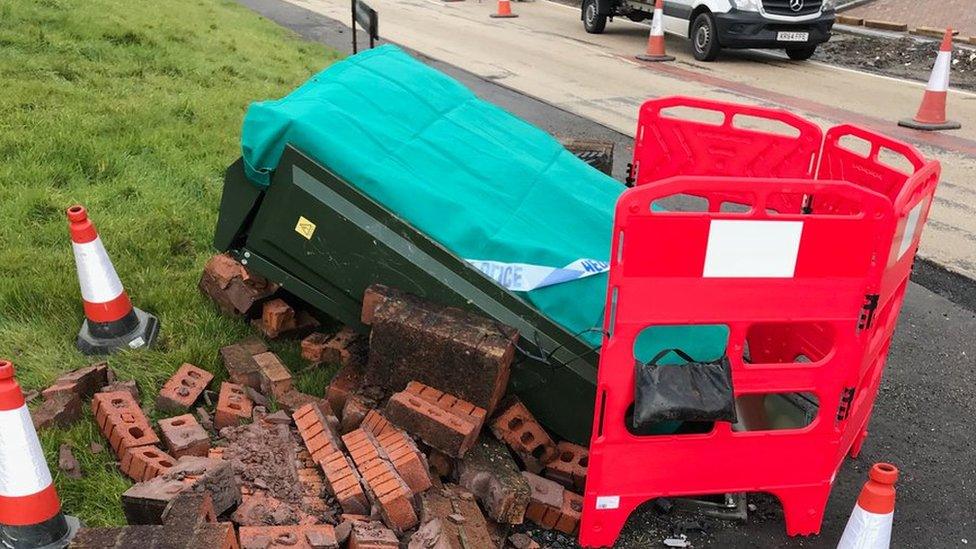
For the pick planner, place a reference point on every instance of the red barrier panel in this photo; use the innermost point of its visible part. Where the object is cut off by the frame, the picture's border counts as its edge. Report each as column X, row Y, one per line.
column 807, row 273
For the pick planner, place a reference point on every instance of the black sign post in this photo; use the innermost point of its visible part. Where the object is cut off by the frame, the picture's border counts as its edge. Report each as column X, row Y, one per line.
column 368, row 19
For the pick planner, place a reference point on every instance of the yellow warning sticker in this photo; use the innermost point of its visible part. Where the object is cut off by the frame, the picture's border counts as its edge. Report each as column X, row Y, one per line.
column 305, row 227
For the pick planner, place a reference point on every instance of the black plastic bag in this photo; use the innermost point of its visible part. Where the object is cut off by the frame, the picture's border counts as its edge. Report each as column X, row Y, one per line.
column 694, row 391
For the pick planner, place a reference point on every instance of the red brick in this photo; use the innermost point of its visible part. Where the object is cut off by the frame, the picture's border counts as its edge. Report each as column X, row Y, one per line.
column 317, row 431
column 569, row 467
column 345, row 382
column 373, row 297
column 190, row 511
column 517, row 427
column 62, row 410
column 128, row 386
column 280, row 320
column 490, row 473
column 183, row 389
column 345, row 347
column 384, row 485
column 293, row 399
column 122, row 422
column 275, row 377
column 184, row 436
column 233, row 406
column 146, row 462
column 309, row 536
column 406, row 458
column 325, row 448
column 552, row 506
column 345, row 483
column 450, row 403
column 375, row 423
column 353, row 412
column 212, row 536
column 233, row 288
column 313, row 346
column 145, row 502
column 372, row 535
column 239, row 361
column 452, row 520
column 83, row 382
column 439, row 426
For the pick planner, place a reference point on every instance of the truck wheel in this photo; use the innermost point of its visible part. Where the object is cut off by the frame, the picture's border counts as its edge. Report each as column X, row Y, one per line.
column 801, row 53
column 704, row 38
column 593, row 22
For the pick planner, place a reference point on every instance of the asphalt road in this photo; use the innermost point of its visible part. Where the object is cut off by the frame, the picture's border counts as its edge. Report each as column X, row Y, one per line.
column 924, row 418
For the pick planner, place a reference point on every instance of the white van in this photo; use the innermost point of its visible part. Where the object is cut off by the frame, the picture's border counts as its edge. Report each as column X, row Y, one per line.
column 797, row 26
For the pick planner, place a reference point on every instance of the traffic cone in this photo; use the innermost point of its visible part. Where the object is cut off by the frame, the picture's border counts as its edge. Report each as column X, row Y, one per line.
column 655, row 42
column 30, row 511
column 504, row 10
column 111, row 322
column 932, row 113
column 870, row 524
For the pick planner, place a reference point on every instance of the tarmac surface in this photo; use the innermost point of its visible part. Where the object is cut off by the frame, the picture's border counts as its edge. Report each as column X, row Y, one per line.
column 923, row 420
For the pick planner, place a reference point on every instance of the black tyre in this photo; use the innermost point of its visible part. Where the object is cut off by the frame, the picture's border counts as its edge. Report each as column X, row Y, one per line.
column 593, row 22
column 801, row 53
column 704, row 38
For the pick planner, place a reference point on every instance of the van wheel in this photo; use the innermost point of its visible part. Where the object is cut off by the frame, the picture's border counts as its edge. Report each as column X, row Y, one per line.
column 801, row 53
column 704, row 38
column 593, row 22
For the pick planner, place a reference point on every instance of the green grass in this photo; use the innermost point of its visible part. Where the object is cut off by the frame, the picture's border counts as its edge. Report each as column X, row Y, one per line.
column 132, row 109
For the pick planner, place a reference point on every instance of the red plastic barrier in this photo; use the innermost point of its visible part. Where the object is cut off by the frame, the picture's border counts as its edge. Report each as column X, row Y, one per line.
column 808, row 273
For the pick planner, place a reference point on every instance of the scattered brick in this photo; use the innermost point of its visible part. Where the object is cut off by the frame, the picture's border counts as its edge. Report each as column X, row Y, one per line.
column 377, row 295
column 406, row 458
column 372, row 535
column 522, row 541
column 344, row 383
column 311, row 536
column 146, row 462
column 183, row 436
column 345, row 347
column 205, row 420
column 451, row 519
column 325, row 448
column 129, row 386
column 278, row 319
column 261, row 509
column 552, row 506
column 275, row 377
column 490, row 473
column 233, row 288
column 212, row 536
column 145, row 502
column 317, row 432
column 450, row 403
column 313, row 346
column 183, row 389
column 385, row 487
column 569, row 467
column 447, row 425
column 233, row 406
column 345, row 483
column 354, row 412
column 190, row 511
column 452, row 350
column 375, row 423
column 239, row 361
column 122, row 422
column 67, row 462
column 440, row 463
column 60, row 410
column 82, row 382
column 293, row 399
column 517, row 427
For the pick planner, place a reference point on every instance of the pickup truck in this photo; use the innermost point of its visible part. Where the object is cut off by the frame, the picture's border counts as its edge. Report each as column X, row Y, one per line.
column 797, row 26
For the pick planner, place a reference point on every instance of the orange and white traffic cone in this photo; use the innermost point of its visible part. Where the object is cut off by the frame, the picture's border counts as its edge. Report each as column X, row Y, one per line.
column 504, row 10
column 932, row 113
column 655, row 42
column 870, row 524
column 30, row 511
column 111, row 322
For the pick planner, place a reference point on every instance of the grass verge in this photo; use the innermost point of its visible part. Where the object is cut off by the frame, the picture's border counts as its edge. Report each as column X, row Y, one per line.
column 132, row 109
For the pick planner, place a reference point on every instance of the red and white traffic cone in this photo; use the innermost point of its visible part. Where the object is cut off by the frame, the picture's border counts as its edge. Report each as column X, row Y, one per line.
column 30, row 511
column 870, row 524
column 655, row 42
column 111, row 322
column 504, row 10
column 932, row 113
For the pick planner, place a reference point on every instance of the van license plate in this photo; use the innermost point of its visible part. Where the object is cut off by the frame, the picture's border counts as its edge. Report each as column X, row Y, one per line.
column 792, row 36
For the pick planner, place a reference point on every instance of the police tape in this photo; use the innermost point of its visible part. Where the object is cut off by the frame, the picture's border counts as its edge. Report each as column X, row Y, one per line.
column 524, row 277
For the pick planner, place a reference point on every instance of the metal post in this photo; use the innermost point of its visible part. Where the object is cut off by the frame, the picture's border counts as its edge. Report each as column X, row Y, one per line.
column 354, row 47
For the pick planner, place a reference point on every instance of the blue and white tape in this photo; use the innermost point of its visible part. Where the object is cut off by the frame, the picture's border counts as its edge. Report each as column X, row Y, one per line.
column 524, row 277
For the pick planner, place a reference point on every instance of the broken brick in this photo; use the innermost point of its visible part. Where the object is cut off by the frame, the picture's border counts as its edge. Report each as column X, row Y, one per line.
column 313, row 346
column 212, row 536
column 122, row 422
column 184, row 436
column 128, row 386
column 449, row 403
column 446, row 427
column 239, row 361
column 344, row 383
column 373, row 297
column 345, row 483
column 82, row 382
column 325, row 448
column 353, row 412
column 458, row 521
column 406, row 458
column 385, row 487
column 60, row 410
column 490, row 473
column 461, row 353
column 569, row 467
column 375, row 423
column 344, row 347
column 233, row 288
column 145, row 502
column 317, row 432
column 233, row 406
column 68, row 463
column 145, row 462
column 293, row 399
column 372, row 535
column 517, row 427
column 309, row 536
column 278, row 319
column 190, row 511
column 275, row 377
column 183, row 389
column 552, row 506
column 440, row 463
